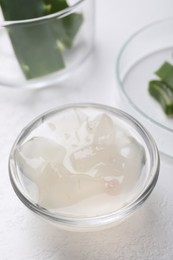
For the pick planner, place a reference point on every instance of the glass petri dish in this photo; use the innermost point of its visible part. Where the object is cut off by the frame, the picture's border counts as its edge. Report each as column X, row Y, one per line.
column 143, row 53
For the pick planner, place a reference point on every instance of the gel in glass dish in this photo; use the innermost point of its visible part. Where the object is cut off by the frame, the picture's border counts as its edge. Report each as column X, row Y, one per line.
column 84, row 166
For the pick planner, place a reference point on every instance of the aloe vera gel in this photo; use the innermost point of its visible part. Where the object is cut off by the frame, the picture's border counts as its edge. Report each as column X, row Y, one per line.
column 82, row 162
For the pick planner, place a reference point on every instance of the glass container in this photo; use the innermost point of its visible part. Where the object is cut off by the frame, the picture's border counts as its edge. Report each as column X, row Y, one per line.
column 98, row 213
column 44, row 50
column 139, row 58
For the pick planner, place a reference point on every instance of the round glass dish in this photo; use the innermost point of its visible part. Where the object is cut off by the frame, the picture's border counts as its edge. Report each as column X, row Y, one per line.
column 139, row 58
column 66, row 125
column 43, row 51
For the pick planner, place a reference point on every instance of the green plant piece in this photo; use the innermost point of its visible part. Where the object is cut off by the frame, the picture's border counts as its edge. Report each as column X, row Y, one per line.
column 163, row 94
column 38, row 45
column 67, row 28
column 54, row 6
column 36, row 50
column 22, row 9
column 165, row 73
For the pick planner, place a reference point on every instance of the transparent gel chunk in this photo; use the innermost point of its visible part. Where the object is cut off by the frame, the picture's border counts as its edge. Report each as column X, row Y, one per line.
column 89, row 167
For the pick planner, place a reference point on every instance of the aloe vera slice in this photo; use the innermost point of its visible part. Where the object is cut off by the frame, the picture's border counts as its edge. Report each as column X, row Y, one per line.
column 163, row 94
column 165, row 73
column 36, row 49
column 37, row 45
column 53, row 6
column 67, row 28
column 22, row 9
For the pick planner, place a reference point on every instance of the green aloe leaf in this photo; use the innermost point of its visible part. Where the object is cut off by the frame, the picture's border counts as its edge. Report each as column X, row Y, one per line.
column 22, row 9
column 165, row 73
column 36, row 49
column 37, row 45
column 163, row 94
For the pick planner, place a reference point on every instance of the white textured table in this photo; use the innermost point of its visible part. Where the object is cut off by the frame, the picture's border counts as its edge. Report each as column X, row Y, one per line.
column 146, row 235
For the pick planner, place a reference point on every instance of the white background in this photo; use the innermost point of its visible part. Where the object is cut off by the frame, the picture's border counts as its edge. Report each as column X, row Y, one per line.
column 146, row 235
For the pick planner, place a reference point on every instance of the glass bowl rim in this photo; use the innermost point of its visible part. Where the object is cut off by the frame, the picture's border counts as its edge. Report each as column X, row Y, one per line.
column 59, row 14
column 117, row 70
column 86, row 222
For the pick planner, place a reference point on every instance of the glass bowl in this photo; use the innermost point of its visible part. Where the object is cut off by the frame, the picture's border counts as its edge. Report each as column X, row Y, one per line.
column 137, row 62
column 113, row 166
column 43, row 51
